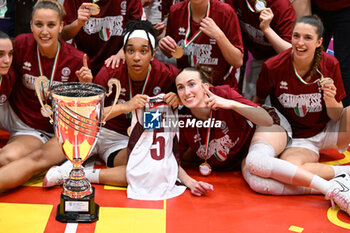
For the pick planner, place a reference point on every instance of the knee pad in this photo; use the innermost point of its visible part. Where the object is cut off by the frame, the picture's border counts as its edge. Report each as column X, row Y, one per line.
column 259, row 159
column 263, row 185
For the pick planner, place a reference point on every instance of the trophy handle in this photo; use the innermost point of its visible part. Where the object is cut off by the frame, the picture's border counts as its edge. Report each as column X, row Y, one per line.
column 117, row 93
column 45, row 109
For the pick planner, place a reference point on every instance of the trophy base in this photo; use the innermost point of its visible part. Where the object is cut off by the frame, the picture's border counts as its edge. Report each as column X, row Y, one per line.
column 73, row 210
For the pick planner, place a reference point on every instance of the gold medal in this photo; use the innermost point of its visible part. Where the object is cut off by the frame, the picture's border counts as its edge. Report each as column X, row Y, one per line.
column 205, row 169
column 94, row 9
column 179, row 52
column 324, row 81
column 46, row 111
column 260, row 5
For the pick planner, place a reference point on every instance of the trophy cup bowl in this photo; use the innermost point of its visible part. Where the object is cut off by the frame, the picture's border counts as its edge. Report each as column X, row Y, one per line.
column 77, row 117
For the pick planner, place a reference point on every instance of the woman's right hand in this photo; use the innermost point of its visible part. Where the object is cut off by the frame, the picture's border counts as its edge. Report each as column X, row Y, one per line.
column 84, row 13
column 136, row 102
column 167, row 45
column 116, row 59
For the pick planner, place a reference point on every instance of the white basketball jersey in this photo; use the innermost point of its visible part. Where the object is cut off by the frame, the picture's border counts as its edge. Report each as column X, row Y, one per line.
column 152, row 168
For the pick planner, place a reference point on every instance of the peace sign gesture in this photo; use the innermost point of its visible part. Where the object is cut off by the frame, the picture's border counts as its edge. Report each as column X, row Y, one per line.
column 215, row 102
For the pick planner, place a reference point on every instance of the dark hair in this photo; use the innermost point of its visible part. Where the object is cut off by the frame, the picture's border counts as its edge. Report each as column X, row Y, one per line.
column 50, row 4
column 205, row 72
column 4, row 36
column 315, row 21
column 138, row 24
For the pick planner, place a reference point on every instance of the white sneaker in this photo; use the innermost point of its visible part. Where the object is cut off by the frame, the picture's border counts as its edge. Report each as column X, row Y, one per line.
column 57, row 174
column 340, row 192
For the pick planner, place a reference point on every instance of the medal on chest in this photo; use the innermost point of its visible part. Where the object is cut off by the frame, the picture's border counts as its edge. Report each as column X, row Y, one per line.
column 46, row 110
column 94, row 8
column 259, row 5
column 205, row 168
column 131, row 94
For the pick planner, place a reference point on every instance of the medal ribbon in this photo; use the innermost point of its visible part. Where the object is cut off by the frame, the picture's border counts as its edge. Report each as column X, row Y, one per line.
column 302, row 80
column 207, row 139
column 250, row 6
column 54, row 66
column 143, row 87
column 188, row 40
column 0, row 80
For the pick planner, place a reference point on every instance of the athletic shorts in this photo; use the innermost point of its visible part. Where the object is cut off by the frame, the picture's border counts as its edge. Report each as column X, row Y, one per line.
column 9, row 121
column 324, row 140
column 108, row 142
column 279, row 119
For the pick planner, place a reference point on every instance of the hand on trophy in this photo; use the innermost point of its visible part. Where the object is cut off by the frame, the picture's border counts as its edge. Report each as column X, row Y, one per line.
column 75, row 106
column 84, row 74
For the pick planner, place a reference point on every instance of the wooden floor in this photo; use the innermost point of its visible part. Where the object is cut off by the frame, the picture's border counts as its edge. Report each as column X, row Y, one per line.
column 231, row 207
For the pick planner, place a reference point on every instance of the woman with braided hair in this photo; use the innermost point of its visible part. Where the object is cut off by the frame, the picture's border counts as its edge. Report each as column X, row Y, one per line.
column 305, row 85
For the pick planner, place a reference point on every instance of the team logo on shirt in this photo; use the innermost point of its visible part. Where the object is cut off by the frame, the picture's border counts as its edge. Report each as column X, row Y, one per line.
column 27, row 66
column 3, row 99
column 300, row 110
column 200, row 53
column 219, row 148
column 197, row 137
column 65, row 74
column 122, row 91
column 302, row 104
column 182, row 31
column 106, row 27
column 284, row 85
column 212, row 41
column 123, row 5
column 66, row 71
column 224, row 127
column 156, row 90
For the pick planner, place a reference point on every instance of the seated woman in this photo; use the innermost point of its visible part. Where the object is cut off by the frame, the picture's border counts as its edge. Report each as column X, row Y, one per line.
column 245, row 130
column 35, row 54
column 305, row 85
column 141, row 76
column 7, row 77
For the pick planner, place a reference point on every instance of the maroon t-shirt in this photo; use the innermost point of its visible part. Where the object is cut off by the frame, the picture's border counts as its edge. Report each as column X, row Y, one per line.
column 205, row 50
column 161, row 80
column 301, row 104
column 23, row 99
column 333, row 5
column 6, row 85
column 101, row 36
column 228, row 143
column 253, row 38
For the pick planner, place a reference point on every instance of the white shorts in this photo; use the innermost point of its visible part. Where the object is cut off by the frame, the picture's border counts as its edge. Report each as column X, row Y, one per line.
column 10, row 122
column 109, row 141
column 324, row 140
column 283, row 122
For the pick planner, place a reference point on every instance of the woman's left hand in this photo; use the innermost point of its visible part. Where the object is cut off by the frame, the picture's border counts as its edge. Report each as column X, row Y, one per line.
column 84, row 74
column 329, row 90
column 215, row 102
column 266, row 16
column 209, row 27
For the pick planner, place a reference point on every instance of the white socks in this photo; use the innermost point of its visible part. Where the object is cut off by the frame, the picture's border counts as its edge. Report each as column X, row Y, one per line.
column 93, row 175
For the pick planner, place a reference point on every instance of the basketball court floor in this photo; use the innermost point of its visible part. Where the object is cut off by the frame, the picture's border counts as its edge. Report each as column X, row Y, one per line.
column 231, row 207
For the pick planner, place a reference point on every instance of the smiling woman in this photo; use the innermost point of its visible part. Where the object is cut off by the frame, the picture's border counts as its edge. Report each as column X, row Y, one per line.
column 40, row 53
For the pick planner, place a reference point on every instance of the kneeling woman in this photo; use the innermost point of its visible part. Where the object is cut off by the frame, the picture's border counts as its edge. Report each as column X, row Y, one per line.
column 246, row 130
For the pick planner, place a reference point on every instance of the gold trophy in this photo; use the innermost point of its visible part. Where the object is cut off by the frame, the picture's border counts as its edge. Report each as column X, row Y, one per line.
column 76, row 113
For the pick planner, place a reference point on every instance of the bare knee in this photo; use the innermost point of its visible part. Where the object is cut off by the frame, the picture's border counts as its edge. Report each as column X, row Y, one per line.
column 7, row 157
